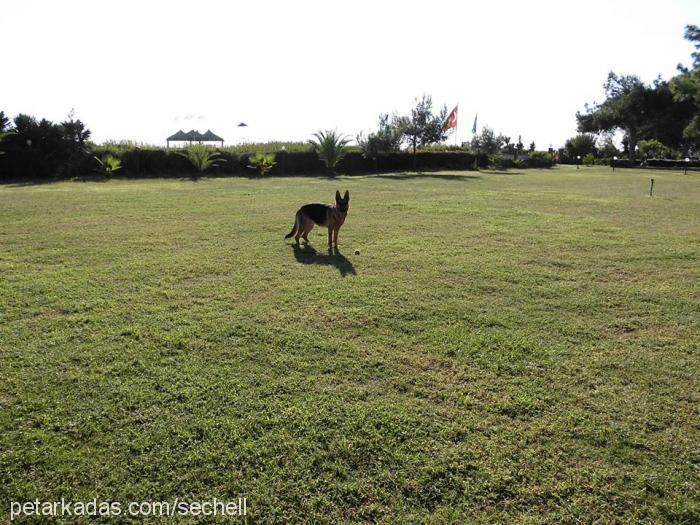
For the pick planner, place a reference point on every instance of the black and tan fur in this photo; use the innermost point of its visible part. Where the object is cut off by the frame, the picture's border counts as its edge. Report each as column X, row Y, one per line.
column 328, row 215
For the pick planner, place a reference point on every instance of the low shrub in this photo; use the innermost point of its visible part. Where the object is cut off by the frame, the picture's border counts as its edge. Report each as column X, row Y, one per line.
column 653, row 149
column 202, row 158
column 263, row 162
column 535, row 159
column 540, row 159
column 500, row 162
column 108, row 165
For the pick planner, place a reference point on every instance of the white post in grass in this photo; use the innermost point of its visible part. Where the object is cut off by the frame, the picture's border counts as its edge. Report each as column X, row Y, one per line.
column 614, row 161
column 687, row 160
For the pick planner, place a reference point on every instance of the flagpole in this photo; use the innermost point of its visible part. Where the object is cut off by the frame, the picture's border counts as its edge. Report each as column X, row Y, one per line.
column 476, row 160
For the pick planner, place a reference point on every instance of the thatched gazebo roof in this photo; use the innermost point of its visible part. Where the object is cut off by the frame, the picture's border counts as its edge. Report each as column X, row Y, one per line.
column 194, row 136
column 180, row 135
column 211, row 137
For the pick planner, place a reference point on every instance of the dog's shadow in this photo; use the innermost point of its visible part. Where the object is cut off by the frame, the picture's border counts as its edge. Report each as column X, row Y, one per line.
column 307, row 254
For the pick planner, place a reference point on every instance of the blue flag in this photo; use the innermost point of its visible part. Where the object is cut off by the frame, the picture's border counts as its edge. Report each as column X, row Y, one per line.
column 474, row 126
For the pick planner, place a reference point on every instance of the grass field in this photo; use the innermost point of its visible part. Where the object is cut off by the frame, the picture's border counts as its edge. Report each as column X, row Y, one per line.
column 518, row 347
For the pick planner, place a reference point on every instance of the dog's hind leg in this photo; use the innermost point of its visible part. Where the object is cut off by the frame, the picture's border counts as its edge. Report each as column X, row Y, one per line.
column 299, row 227
column 307, row 229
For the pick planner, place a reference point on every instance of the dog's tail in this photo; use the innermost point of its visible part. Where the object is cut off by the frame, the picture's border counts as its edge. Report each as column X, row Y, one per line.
column 295, row 228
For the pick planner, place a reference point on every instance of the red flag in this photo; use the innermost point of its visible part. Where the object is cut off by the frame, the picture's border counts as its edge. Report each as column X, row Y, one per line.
column 451, row 121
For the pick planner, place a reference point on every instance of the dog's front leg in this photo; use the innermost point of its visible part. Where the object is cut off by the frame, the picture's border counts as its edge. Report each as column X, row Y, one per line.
column 330, row 237
column 335, row 236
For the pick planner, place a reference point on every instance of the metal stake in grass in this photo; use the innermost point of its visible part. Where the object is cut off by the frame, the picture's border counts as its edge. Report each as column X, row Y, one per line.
column 651, row 188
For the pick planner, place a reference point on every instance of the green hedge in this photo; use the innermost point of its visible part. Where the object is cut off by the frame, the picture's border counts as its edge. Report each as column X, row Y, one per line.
column 152, row 162
column 623, row 163
column 535, row 159
column 163, row 163
column 403, row 161
column 654, row 163
column 671, row 163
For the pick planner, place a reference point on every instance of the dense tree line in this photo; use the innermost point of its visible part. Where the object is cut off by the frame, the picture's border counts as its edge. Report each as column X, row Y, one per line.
column 425, row 130
column 41, row 149
column 420, row 128
column 661, row 118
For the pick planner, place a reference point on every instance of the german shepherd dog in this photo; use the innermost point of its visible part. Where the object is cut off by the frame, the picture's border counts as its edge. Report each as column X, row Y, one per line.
column 331, row 216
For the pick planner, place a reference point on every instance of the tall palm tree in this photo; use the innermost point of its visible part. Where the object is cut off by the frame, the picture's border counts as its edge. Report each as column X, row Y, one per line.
column 331, row 147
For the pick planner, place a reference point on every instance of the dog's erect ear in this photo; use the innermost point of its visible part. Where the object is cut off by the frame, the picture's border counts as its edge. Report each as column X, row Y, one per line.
column 347, row 196
column 337, row 195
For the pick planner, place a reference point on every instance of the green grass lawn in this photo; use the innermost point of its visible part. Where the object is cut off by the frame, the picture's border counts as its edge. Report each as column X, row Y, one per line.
column 507, row 347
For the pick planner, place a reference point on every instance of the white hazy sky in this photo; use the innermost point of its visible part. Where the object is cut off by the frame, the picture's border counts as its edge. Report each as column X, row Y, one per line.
column 141, row 70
